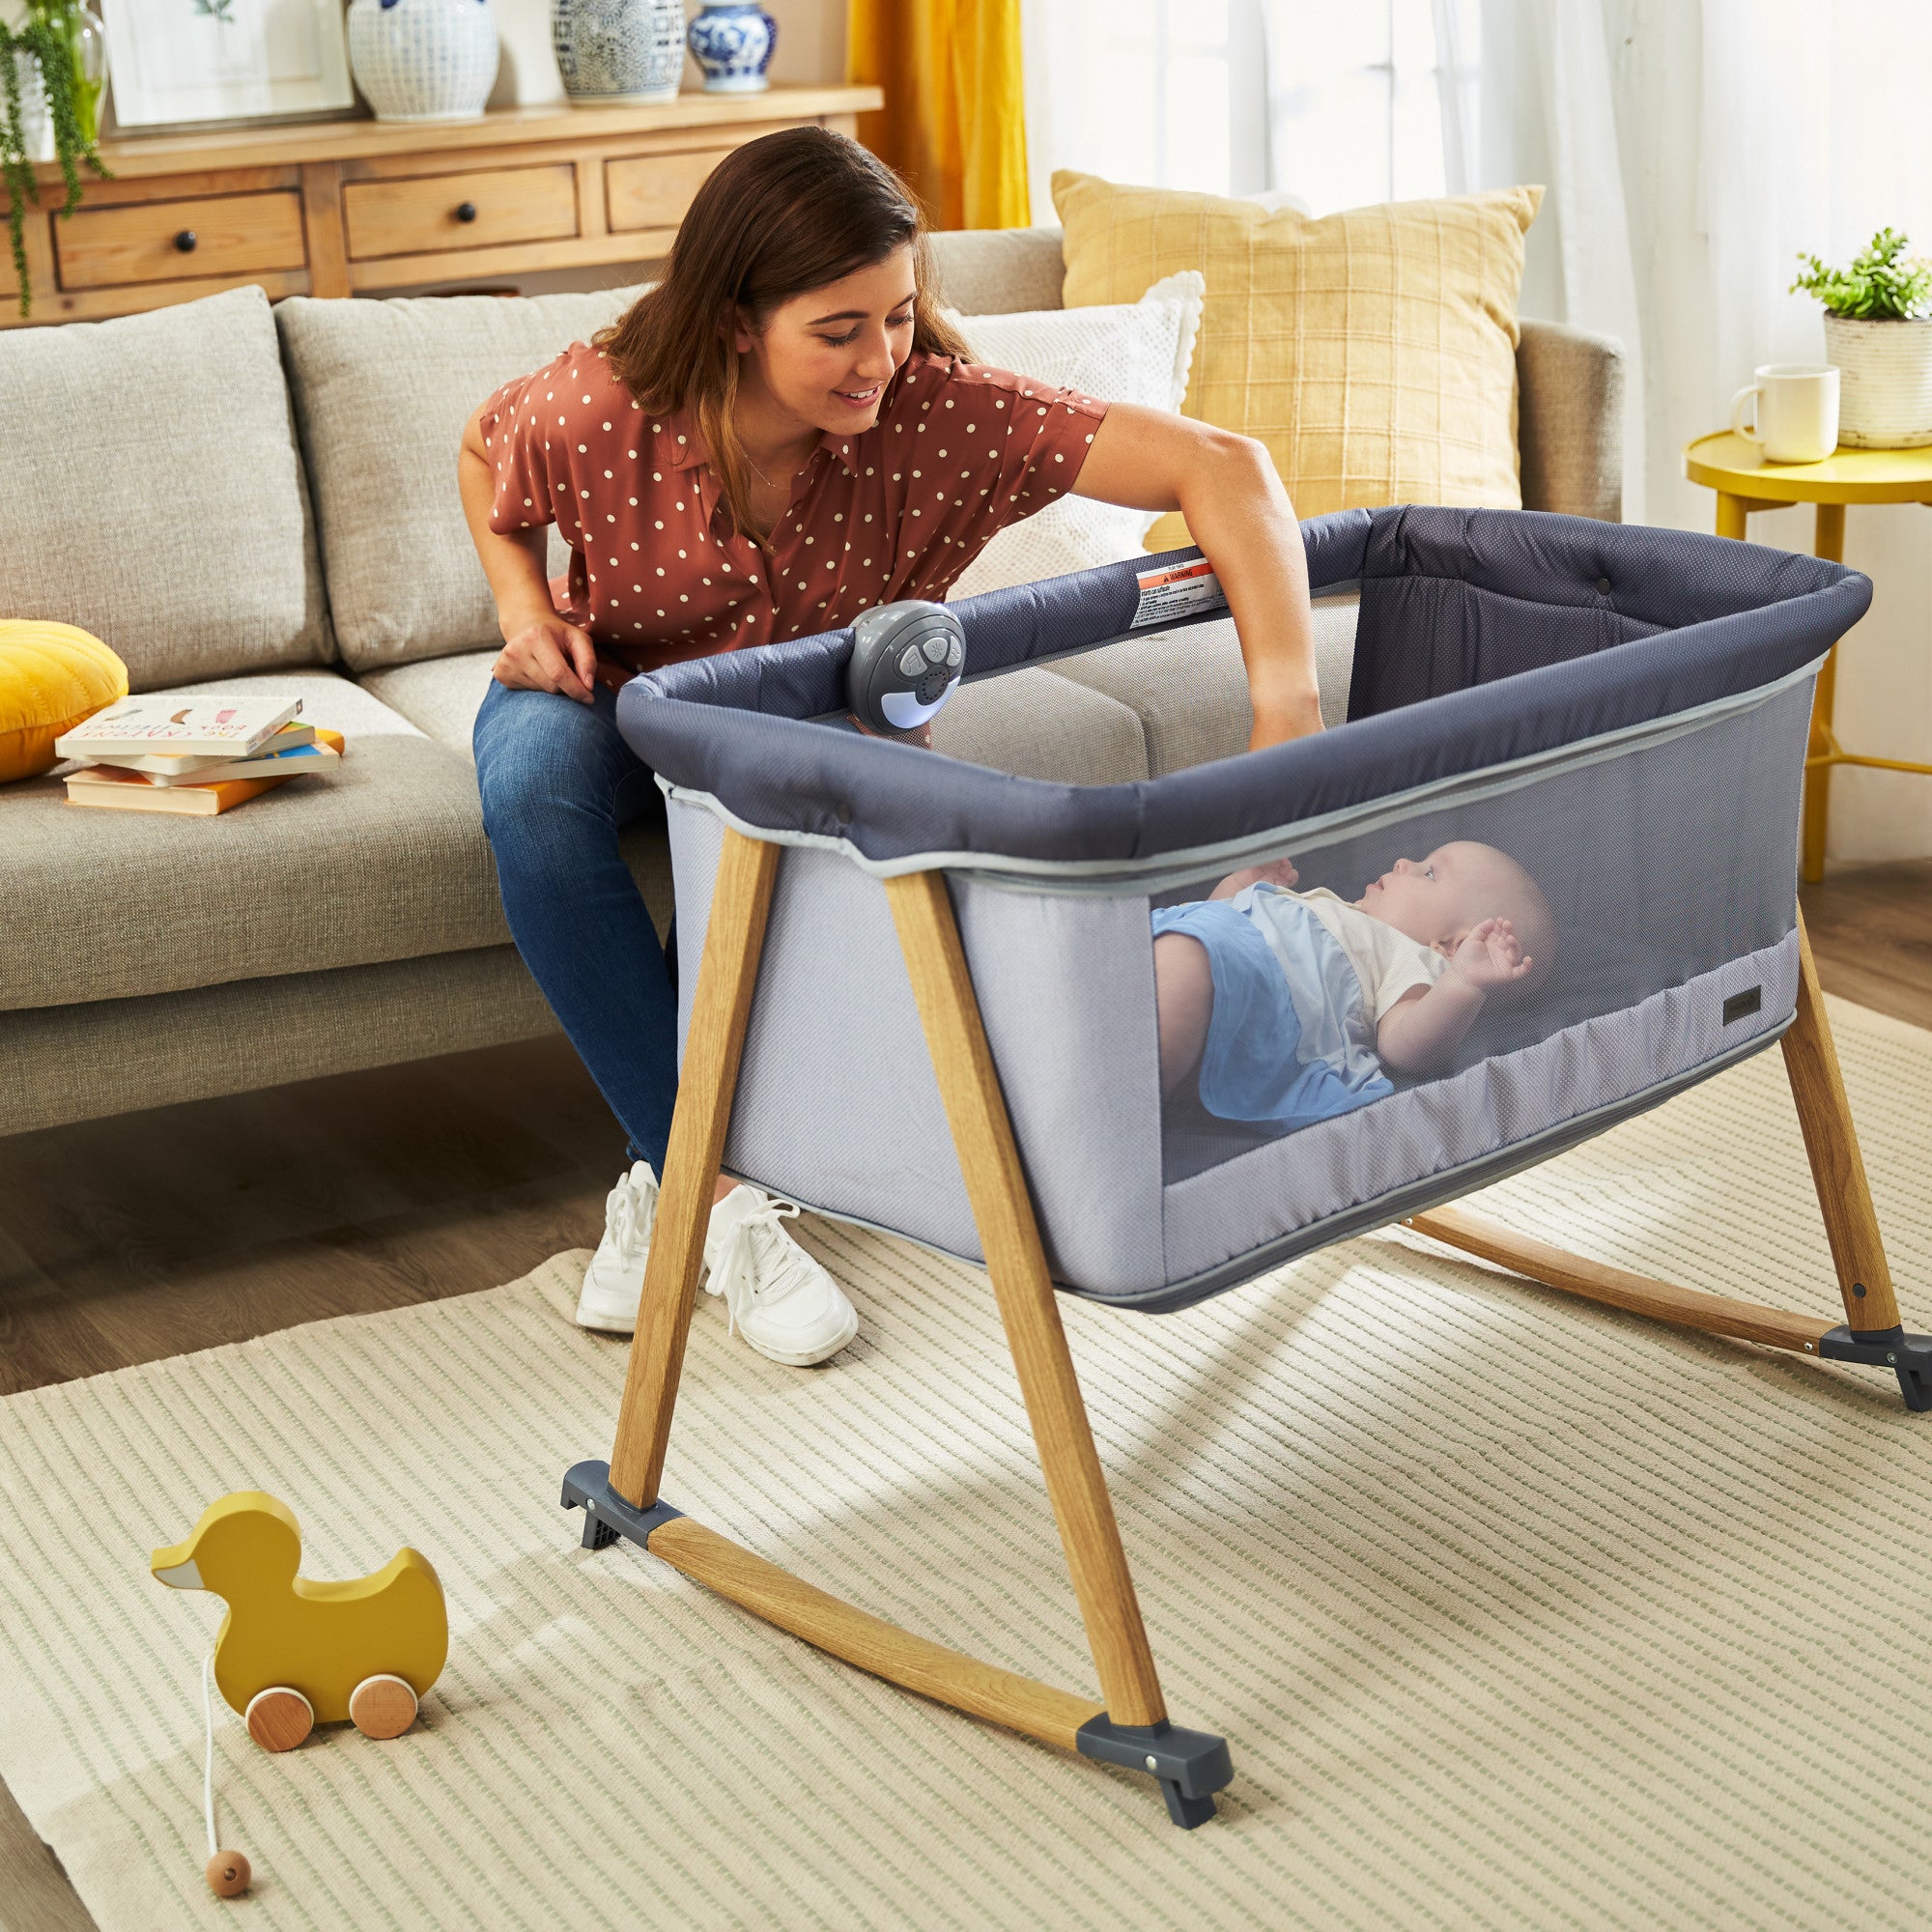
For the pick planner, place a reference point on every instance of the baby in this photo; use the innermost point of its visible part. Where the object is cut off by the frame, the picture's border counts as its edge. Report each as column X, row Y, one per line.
column 1289, row 1003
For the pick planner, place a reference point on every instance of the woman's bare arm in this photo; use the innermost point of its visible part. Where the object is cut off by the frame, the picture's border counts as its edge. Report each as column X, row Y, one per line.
column 541, row 652
column 1235, row 504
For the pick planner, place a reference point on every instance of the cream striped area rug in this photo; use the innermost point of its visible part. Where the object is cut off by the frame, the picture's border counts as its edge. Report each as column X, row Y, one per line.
column 1516, row 1614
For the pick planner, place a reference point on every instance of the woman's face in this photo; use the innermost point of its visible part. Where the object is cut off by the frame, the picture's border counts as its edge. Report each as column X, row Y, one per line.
column 823, row 358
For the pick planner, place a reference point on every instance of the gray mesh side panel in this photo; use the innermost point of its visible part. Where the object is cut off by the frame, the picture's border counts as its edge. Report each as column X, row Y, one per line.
column 1326, row 1169
column 1066, row 989
column 836, row 1102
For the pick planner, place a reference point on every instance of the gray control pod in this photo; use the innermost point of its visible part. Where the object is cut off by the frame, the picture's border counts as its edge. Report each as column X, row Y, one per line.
column 907, row 662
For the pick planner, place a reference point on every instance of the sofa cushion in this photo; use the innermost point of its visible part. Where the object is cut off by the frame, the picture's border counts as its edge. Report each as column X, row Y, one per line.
column 996, row 271
column 1372, row 352
column 383, row 858
column 1037, row 725
column 382, row 390
column 150, row 491
column 1189, row 687
column 440, row 697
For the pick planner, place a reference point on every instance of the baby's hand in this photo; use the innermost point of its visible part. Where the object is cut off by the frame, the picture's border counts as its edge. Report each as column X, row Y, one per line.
column 1491, row 955
column 1277, row 872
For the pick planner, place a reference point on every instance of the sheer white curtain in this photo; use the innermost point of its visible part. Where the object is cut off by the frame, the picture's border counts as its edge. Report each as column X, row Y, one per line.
column 1814, row 132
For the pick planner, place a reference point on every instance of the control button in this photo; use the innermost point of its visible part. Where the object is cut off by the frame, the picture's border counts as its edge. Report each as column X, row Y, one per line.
column 934, row 647
column 955, row 656
column 912, row 663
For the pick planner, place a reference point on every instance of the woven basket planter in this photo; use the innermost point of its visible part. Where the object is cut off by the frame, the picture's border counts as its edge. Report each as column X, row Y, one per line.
column 1884, row 382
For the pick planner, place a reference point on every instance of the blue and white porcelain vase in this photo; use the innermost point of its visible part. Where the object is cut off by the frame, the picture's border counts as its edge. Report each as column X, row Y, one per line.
column 423, row 60
column 732, row 41
column 611, row 50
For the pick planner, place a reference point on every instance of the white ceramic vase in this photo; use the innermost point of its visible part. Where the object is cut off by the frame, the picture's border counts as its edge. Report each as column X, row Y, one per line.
column 423, row 60
column 1885, row 378
column 611, row 50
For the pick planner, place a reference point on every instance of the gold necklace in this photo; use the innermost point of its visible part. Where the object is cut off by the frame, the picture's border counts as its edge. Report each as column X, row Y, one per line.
column 766, row 480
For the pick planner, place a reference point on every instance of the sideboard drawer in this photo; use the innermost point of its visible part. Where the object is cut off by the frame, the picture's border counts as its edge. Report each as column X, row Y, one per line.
column 431, row 215
column 180, row 240
column 654, row 190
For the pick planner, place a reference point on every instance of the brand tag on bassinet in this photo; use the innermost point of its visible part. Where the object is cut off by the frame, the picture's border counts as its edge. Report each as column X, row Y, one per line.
column 1182, row 590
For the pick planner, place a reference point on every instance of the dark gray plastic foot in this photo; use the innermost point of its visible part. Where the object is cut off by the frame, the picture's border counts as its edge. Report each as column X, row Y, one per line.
column 1188, row 1766
column 1908, row 1356
column 606, row 1515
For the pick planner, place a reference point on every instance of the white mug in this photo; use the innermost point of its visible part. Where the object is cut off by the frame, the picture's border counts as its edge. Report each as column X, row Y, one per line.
column 1796, row 414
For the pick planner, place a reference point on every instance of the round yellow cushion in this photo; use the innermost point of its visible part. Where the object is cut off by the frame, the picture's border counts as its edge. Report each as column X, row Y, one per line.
column 51, row 677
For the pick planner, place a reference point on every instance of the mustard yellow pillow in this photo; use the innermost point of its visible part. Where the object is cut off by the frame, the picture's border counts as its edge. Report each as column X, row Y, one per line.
column 51, row 677
column 1372, row 352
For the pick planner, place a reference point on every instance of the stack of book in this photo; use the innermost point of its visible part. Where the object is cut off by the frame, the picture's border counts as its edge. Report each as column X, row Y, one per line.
column 197, row 756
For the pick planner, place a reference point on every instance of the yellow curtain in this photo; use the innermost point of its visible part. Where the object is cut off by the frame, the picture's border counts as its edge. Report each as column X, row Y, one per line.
column 953, row 123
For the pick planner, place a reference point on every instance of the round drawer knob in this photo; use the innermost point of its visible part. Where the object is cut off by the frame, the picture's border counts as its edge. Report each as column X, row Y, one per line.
column 185, row 241
column 466, row 210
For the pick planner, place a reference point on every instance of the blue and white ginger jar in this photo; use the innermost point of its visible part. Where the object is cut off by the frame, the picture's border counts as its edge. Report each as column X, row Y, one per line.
column 618, row 49
column 423, row 60
column 732, row 41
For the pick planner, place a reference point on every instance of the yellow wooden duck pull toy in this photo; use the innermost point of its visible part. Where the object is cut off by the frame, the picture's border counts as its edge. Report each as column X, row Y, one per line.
column 292, row 1653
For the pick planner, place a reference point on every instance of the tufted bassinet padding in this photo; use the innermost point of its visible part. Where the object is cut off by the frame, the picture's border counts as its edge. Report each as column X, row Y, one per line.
column 926, row 996
column 1621, row 710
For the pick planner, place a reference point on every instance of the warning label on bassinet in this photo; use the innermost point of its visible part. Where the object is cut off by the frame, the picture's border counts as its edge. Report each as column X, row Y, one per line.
column 1179, row 590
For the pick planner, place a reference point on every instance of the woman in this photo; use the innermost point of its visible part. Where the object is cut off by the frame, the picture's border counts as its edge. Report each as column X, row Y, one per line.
column 781, row 434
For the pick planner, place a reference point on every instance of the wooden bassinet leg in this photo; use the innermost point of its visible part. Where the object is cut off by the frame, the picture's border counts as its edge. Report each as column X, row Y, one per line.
column 621, row 1499
column 1076, row 1486
column 1872, row 1334
column 740, row 903
column 1832, row 1144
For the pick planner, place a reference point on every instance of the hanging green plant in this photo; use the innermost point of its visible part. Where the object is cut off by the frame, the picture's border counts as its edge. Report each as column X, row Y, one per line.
column 51, row 40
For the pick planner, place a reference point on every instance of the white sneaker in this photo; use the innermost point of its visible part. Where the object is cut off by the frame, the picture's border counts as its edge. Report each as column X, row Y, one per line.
column 781, row 1301
column 614, row 1281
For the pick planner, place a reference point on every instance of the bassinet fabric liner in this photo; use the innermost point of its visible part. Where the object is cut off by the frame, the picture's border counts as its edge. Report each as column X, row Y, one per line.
column 1623, row 710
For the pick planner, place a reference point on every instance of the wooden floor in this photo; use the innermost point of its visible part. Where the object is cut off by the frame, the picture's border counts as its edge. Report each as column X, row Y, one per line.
column 149, row 1235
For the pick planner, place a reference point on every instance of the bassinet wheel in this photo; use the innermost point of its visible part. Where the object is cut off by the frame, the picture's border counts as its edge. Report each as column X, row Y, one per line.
column 278, row 1719
column 383, row 1706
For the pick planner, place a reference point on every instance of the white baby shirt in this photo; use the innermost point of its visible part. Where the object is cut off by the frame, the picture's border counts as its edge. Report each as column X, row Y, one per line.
column 1387, row 962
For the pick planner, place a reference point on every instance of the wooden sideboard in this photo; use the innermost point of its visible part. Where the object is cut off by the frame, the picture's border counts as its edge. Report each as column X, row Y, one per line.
column 337, row 208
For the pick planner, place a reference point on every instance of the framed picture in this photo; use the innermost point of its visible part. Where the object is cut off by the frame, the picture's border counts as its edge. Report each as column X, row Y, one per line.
column 176, row 61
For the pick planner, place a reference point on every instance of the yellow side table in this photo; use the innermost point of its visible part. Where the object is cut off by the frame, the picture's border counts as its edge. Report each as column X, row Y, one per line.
column 1746, row 482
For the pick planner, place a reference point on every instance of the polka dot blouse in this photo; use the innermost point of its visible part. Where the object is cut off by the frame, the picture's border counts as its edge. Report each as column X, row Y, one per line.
column 898, row 510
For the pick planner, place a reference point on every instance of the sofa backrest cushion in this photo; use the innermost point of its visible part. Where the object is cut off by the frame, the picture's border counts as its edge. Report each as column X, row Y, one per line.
column 382, row 390
column 151, row 491
column 999, row 271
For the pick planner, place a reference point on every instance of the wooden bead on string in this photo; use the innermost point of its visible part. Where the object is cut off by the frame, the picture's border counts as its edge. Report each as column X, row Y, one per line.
column 228, row 1874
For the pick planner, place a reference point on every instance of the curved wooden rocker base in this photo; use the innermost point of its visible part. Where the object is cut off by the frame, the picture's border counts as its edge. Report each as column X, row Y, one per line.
column 1189, row 1766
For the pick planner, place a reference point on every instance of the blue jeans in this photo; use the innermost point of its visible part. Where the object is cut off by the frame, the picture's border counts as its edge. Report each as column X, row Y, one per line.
column 558, row 785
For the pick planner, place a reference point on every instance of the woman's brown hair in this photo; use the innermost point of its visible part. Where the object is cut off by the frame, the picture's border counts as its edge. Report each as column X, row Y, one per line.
column 776, row 218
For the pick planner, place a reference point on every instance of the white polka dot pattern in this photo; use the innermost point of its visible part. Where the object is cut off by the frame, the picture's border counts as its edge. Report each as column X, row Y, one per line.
column 898, row 510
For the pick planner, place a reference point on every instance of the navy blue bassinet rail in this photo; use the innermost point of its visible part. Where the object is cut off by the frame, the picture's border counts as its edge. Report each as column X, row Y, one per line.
column 1528, row 633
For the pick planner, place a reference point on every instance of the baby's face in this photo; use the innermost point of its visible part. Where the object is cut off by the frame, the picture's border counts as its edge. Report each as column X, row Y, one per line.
column 1437, row 899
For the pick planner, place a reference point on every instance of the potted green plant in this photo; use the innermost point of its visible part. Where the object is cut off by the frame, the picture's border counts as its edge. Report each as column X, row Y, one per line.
column 1878, row 331
column 52, row 71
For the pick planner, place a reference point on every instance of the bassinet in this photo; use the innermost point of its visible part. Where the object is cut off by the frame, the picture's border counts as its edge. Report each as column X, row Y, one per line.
column 928, row 1003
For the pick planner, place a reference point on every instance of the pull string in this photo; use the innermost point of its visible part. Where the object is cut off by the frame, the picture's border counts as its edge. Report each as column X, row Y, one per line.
column 208, row 1759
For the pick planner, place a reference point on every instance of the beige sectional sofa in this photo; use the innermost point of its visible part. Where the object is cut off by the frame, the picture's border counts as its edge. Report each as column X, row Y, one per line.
column 233, row 495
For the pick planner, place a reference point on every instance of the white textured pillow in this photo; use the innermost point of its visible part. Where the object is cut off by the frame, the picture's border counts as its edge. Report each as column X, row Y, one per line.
column 1132, row 352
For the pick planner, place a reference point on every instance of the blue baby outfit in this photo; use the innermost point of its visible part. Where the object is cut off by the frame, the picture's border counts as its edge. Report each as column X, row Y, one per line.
column 1291, row 1040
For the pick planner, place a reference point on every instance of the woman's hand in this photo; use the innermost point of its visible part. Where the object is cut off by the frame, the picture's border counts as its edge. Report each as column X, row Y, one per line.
column 549, row 654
